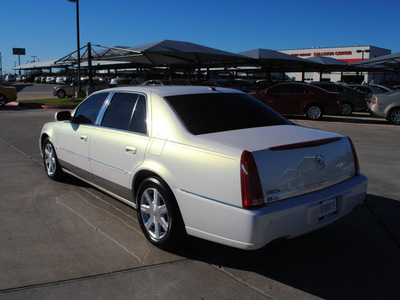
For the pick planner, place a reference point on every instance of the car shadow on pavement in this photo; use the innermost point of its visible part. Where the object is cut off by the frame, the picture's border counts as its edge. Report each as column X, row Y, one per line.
column 354, row 258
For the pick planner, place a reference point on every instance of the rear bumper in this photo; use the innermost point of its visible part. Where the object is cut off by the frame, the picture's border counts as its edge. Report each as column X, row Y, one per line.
column 253, row 229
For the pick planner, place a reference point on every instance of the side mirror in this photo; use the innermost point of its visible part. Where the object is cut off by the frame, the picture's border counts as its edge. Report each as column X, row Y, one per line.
column 64, row 115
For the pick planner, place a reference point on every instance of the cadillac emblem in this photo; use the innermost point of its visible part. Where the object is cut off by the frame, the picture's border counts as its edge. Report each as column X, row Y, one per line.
column 319, row 161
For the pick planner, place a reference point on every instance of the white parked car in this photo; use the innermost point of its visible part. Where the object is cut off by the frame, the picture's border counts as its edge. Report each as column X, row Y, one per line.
column 213, row 163
column 386, row 106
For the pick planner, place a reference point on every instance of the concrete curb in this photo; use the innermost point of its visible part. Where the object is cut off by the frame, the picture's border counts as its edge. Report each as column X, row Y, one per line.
column 36, row 106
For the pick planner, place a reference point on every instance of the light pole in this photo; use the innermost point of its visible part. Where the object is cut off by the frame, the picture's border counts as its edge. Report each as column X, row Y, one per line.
column 362, row 58
column 80, row 93
column 1, row 67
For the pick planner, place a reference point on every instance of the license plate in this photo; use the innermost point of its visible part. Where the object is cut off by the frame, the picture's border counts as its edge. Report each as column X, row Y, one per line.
column 327, row 208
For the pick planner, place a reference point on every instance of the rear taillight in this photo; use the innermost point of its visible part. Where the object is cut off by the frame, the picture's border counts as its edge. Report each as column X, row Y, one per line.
column 374, row 100
column 252, row 195
column 355, row 158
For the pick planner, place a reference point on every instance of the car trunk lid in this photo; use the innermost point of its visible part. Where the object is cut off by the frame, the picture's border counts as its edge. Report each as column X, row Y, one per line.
column 292, row 160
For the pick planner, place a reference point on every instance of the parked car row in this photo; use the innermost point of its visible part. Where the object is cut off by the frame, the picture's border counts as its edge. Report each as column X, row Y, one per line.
column 287, row 97
column 319, row 98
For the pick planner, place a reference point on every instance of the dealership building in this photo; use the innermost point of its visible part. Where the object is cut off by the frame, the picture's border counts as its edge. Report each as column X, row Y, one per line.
column 344, row 54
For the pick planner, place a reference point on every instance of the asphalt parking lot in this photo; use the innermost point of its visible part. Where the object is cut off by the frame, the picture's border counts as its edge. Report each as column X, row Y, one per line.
column 68, row 240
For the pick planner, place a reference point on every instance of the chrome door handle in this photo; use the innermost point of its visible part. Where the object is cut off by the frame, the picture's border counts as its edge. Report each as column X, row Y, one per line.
column 130, row 149
column 84, row 138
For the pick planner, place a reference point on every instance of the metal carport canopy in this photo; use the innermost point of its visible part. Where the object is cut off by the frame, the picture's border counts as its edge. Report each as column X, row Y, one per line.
column 278, row 61
column 390, row 60
column 174, row 54
column 38, row 65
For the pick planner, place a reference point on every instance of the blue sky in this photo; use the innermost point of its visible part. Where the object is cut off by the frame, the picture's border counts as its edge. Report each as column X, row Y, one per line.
column 47, row 28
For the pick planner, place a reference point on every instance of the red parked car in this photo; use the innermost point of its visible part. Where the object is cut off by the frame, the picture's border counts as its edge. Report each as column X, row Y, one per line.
column 299, row 99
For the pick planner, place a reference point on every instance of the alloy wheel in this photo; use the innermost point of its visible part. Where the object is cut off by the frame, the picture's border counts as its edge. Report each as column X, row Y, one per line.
column 395, row 117
column 346, row 109
column 314, row 112
column 50, row 160
column 154, row 213
column 2, row 100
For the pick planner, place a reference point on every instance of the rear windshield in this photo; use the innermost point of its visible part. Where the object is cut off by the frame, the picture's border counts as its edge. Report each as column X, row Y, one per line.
column 209, row 113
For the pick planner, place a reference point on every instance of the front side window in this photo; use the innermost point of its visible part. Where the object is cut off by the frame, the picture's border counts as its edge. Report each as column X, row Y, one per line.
column 87, row 112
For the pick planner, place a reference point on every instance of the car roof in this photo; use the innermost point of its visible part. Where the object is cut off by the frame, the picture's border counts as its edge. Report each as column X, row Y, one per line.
column 166, row 91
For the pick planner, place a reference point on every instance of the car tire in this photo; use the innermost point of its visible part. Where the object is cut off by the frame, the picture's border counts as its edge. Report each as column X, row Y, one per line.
column 61, row 94
column 158, row 214
column 314, row 112
column 3, row 100
column 346, row 109
column 50, row 161
column 394, row 116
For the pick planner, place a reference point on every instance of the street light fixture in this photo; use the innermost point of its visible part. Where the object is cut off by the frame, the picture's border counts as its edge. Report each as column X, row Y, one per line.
column 363, row 51
column 80, row 93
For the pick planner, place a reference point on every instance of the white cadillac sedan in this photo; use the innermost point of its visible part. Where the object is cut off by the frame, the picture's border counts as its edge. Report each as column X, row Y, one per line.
column 208, row 162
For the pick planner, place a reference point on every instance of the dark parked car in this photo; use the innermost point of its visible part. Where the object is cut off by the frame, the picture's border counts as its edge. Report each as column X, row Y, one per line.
column 350, row 99
column 370, row 89
column 300, row 98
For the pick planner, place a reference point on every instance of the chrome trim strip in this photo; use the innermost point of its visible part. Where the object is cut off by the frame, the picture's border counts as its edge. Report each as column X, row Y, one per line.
column 69, row 151
column 96, row 161
column 109, row 166
column 307, row 189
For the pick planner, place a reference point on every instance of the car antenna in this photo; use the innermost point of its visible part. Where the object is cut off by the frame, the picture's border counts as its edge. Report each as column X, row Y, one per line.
column 213, row 88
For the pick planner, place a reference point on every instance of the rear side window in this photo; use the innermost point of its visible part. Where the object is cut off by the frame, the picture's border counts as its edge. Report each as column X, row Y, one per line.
column 126, row 111
column 362, row 89
column 295, row 89
column 89, row 109
column 208, row 113
column 139, row 121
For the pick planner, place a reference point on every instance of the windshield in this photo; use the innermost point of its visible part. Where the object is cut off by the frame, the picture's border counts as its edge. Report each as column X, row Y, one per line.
column 209, row 113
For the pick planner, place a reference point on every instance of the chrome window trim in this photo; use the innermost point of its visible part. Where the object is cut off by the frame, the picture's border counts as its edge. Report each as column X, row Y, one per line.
column 103, row 108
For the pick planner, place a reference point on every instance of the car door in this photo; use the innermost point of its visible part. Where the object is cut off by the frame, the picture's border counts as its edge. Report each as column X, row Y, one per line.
column 118, row 146
column 286, row 98
column 274, row 97
column 74, row 136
